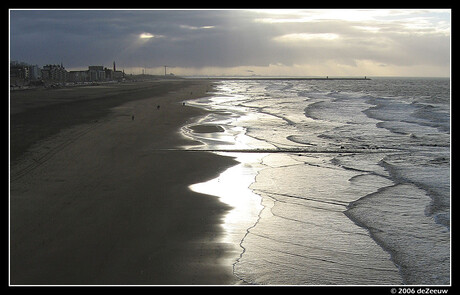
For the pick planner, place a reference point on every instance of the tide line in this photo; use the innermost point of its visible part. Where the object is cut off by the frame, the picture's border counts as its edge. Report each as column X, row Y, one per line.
column 285, row 150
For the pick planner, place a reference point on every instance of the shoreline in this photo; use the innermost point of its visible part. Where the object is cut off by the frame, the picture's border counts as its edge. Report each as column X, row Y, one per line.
column 106, row 204
column 262, row 232
column 339, row 201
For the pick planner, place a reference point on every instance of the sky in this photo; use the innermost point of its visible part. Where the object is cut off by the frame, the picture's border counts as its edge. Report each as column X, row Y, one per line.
column 271, row 42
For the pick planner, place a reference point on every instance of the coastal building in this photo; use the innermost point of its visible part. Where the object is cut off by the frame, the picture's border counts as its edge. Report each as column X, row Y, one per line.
column 108, row 74
column 24, row 71
column 35, row 72
column 78, row 76
column 18, row 70
column 96, row 73
column 117, row 75
column 23, row 74
column 54, row 73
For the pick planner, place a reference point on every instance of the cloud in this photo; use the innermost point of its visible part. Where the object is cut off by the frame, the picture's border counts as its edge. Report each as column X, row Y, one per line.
column 146, row 36
column 235, row 39
column 295, row 38
column 195, row 28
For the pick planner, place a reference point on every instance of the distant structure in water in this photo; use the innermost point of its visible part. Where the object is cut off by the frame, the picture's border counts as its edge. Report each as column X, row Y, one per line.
column 295, row 78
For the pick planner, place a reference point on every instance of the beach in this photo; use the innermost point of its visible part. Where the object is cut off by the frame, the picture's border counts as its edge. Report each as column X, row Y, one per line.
column 230, row 147
column 96, row 198
column 224, row 182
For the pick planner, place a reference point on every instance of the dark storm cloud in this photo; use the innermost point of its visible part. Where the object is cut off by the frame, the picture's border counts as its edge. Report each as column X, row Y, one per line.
column 185, row 38
column 91, row 36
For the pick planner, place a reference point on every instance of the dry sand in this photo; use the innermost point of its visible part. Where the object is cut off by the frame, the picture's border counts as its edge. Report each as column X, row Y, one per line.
column 96, row 200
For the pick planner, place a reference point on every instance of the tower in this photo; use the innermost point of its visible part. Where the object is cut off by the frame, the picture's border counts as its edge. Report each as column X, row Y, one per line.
column 114, row 68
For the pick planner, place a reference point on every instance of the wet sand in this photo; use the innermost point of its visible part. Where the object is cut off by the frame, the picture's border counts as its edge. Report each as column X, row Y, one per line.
column 96, row 198
column 206, row 128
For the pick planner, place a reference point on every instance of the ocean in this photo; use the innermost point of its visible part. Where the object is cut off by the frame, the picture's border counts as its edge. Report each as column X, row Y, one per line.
column 340, row 182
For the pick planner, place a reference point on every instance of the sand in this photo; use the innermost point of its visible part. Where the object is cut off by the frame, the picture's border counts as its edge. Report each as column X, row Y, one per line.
column 96, row 198
column 206, row 128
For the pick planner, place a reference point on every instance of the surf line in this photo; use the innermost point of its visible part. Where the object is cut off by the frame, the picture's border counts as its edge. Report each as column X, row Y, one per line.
column 289, row 150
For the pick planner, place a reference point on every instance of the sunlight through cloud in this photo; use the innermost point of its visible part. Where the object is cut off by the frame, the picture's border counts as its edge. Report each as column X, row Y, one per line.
column 306, row 37
column 146, row 36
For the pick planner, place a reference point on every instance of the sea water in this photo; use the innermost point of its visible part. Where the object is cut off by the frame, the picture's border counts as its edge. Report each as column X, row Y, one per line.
column 341, row 182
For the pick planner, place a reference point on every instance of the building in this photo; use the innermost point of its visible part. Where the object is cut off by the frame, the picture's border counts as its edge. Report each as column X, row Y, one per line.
column 108, row 74
column 96, row 73
column 35, row 72
column 54, row 73
column 23, row 74
column 18, row 70
column 24, row 71
column 78, row 76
